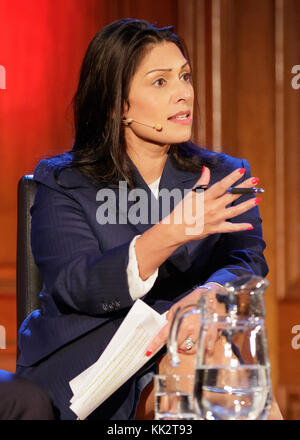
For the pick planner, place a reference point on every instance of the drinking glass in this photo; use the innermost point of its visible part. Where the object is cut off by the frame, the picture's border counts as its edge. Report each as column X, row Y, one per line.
column 174, row 397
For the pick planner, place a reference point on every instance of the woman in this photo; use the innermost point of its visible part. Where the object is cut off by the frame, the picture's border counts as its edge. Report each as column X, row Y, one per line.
column 133, row 119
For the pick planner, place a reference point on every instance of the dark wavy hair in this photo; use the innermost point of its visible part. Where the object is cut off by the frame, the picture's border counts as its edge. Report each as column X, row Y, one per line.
column 108, row 66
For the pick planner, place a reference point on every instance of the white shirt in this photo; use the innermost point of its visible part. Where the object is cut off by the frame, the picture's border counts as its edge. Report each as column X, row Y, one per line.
column 137, row 286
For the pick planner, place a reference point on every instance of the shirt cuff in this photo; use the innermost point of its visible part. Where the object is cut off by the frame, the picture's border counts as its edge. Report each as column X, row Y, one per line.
column 137, row 286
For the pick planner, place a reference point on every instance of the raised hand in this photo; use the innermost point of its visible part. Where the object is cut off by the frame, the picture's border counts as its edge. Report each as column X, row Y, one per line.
column 199, row 215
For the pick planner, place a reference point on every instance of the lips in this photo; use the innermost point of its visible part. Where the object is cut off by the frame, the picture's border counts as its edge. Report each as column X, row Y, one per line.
column 182, row 115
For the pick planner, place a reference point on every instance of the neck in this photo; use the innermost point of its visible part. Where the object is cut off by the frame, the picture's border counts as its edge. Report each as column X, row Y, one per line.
column 149, row 161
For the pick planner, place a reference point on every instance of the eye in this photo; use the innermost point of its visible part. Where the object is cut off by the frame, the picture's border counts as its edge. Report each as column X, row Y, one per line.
column 187, row 76
column 159, row 82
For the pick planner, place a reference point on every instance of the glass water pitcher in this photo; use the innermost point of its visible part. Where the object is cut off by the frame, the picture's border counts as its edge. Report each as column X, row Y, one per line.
column 232, row 368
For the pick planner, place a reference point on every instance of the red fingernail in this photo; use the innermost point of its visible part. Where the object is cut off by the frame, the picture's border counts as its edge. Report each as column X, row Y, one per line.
column 179, row 351
column 203, row 168
column 242, row 170
column 257, row 200
column 255, row 180
column 250, row 228
column 149, row 352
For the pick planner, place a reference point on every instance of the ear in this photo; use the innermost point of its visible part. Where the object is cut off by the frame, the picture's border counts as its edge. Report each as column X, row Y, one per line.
column 124, row 112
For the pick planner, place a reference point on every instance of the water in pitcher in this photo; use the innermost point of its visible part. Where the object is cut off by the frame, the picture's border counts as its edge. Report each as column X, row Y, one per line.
column 241, row 393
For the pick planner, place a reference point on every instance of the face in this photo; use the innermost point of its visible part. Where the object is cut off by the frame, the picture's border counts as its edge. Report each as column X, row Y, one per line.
column 160, row 93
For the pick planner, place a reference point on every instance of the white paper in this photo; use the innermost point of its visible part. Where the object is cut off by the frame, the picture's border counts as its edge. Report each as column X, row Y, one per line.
column 122, row 358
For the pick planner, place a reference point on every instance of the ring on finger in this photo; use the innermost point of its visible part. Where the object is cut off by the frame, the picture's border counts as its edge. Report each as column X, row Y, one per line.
column 189, row 343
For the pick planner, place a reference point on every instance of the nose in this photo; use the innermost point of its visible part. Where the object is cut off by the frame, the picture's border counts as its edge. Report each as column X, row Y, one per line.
column 183, row 92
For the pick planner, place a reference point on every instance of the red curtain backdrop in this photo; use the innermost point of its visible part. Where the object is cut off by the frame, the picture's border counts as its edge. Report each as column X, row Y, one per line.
column 42, row 44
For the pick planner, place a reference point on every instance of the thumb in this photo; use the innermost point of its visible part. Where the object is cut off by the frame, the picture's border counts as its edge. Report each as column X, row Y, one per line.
column 205, row 177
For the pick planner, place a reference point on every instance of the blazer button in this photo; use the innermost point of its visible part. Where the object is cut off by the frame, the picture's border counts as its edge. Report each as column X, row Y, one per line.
column 111, row 306
column 104, row 307
column 117, row 303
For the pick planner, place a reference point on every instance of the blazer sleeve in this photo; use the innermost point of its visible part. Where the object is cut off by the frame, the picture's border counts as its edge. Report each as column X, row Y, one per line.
column 75, row 272
column 240, row 253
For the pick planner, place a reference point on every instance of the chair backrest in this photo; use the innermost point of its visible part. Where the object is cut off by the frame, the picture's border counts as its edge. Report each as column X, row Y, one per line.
column 29, row 280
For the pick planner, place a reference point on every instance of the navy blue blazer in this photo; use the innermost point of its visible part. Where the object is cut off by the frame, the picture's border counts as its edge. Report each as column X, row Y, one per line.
column 83, row 263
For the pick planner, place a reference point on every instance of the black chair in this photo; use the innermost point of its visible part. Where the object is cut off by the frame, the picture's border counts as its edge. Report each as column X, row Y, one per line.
column 17, row 390
column 29, row 280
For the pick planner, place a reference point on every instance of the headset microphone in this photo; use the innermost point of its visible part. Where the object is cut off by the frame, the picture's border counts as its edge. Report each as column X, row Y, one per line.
column 128, row 121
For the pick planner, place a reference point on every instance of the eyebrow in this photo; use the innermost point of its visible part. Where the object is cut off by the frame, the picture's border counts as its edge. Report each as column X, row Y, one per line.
column 166, row 70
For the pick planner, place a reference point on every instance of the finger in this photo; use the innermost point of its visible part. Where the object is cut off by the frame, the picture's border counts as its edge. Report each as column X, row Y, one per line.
column 162, row 336
column 228, row 198
column 225, row 227
column 240, row 208
column 220, row 187
column 248, row 183
column 187, row 333
column 184, row 350
column 205, row 177
column 159, row 340
column 233, row 211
